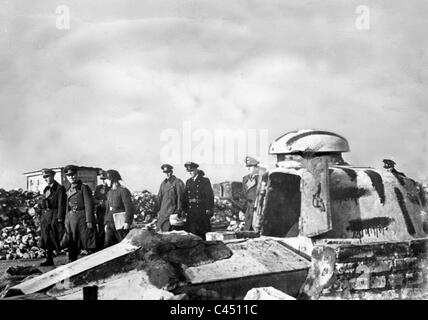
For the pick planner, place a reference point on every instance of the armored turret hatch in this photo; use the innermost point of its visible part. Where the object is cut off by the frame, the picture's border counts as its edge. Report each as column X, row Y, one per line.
column 309, row 143
column 309, row 140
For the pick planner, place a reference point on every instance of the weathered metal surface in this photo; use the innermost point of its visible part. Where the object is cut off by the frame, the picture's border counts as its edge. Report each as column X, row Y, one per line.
column 374, row 205
column 250, row 258
column 366, row 204
column 315, row 213
column 309, row 140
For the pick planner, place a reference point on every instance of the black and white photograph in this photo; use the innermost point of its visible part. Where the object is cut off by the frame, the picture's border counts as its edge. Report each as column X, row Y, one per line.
column 229, row 152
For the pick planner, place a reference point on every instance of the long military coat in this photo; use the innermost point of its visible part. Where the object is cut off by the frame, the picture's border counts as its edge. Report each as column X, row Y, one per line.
column 100, row 197
column 119, row 200
column 53, row 215
column 170, row 199
column 249, row 189
column 198, row 198
column 80, row 211
column 251, row 184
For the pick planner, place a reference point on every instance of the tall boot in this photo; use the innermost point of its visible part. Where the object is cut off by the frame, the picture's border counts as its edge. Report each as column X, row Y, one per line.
column 73, row 253
column 49, row 259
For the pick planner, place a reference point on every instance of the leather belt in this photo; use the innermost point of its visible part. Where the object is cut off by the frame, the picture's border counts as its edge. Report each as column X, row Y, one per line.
column 75, row 209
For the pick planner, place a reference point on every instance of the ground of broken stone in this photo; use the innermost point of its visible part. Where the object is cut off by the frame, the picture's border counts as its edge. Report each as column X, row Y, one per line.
column 4, row 264
column 59, row 260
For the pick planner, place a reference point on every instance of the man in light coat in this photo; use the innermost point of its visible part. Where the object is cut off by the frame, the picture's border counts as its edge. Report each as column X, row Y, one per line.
column 170, row 198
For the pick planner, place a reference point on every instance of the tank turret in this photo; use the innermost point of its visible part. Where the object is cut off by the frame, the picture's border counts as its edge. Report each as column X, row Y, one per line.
column 309, row 143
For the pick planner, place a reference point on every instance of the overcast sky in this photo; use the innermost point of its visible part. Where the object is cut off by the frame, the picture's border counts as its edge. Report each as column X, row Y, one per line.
column 103, row 92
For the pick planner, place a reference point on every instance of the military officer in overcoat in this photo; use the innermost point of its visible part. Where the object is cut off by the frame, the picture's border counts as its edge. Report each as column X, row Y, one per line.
column 119, row 199
column 170, row 198
column 249, row 190
column 53, row 215
column 100, row 197
column 198, row 201
column 80, row 218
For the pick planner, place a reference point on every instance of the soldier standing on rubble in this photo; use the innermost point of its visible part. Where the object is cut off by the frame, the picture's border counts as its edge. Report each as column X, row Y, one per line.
column 80, row 219
column 198, row 202
column 53, row 214
column 249, row 190
column 170, row 198
column 100, row 196
column 118, row 200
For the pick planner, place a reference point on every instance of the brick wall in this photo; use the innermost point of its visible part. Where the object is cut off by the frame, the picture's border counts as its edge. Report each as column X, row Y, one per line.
column 393, row 270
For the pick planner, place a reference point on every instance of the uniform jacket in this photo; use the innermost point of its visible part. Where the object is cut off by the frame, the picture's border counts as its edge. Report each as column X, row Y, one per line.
column 119, row 200
column 56, row 199
column 249, row 187
column 199, row 195
column 79, row 198
column 100, row 195
column 251, row 184
column 198, row 198
column 170, row 199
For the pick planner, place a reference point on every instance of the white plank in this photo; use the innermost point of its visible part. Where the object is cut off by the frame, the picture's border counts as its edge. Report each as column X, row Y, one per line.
column 71, row 269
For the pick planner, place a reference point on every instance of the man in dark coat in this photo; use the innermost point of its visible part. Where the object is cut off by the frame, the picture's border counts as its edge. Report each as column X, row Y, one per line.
column 249, row 190
column 80, row 218
column 100, row 197
column 53, row 215
column 170, row 198
column 198, row 202
column 119, row 200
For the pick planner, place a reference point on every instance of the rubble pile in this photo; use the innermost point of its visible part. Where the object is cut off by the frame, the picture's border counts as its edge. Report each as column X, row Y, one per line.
column 19, row 223
column 228, row 215
column 145, row 206
column 15, row 275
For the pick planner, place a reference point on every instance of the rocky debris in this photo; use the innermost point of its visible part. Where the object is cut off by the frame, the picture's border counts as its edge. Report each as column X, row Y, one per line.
column 18, row 205
column 19, row 242
column 164, row 255
column 367, row 271
column 145, row 205
column 267, row 293
column 15, row 275
column 160, row 259
column 20, row 225
column 228, row 215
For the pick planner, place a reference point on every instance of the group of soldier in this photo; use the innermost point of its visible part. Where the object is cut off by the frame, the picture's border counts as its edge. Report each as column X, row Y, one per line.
column 78, row 220
column 196, row 198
